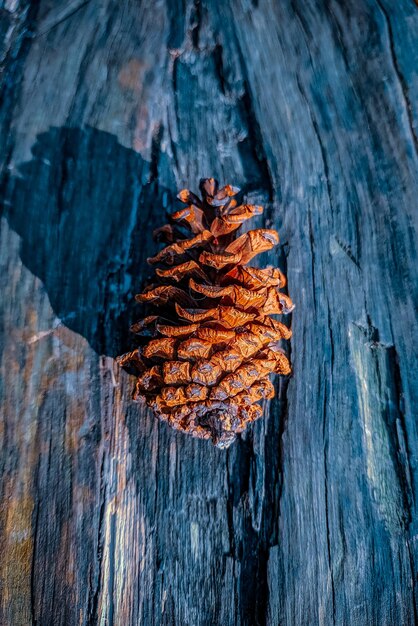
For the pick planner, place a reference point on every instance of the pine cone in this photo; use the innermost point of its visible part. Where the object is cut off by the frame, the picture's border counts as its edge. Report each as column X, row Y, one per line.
column 208, row 350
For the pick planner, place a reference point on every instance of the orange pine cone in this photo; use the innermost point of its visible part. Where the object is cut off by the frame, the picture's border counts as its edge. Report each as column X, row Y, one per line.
column 205, row 360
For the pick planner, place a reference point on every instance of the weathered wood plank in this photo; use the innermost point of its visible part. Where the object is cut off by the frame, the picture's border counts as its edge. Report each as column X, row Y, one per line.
column 107, row 517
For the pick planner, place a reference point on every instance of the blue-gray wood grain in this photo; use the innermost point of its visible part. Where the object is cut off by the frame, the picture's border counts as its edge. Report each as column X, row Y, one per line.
column 108, row 517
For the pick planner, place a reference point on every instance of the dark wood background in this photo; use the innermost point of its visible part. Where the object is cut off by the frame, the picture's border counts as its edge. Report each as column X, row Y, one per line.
column 107, row 108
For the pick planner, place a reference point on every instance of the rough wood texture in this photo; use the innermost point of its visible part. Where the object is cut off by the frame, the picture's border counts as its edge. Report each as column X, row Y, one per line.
column 107, row 516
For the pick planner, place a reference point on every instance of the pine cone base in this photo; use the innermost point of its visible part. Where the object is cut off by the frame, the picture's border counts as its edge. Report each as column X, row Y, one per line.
column 207, row 351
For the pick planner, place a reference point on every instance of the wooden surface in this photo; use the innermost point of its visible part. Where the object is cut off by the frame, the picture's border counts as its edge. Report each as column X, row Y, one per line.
column 107, row 108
